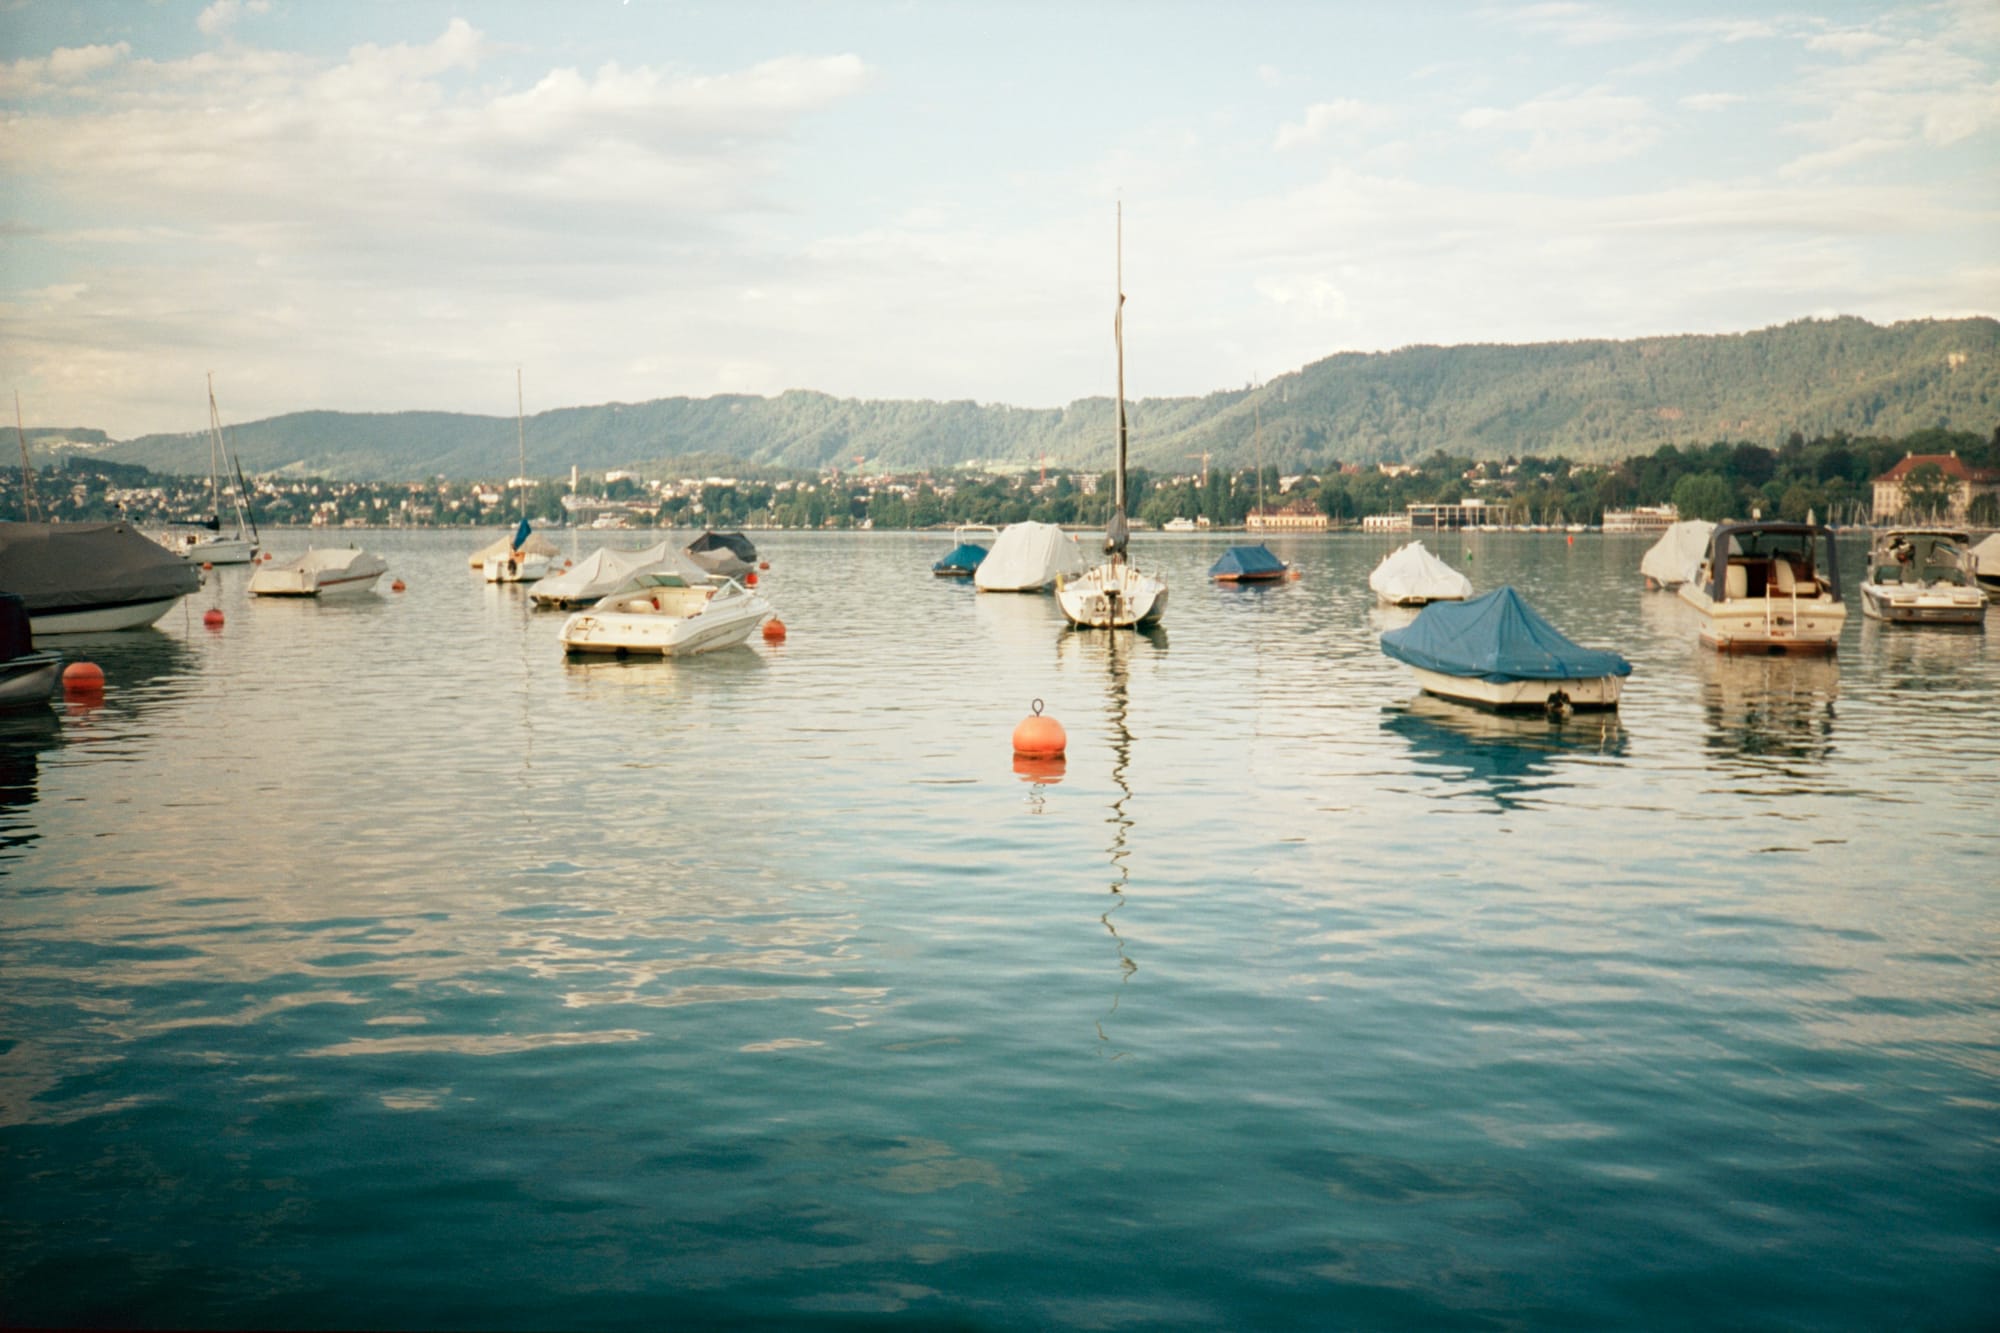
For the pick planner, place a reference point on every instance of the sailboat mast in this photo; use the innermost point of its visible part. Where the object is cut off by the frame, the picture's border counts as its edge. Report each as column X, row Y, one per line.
column 1118, row 336
column 214, row 454
column 521, row 438
column 30, row 507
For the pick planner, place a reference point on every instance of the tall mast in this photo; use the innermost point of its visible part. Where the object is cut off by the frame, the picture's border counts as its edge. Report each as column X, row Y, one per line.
column 214, row 454
column 521, row 438
column 30, row 507
column 1116, row 532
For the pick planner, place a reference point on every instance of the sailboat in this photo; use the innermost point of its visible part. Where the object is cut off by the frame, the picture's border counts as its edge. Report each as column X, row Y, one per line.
column 518, row 563
column 207, row 544
column 1115, row 594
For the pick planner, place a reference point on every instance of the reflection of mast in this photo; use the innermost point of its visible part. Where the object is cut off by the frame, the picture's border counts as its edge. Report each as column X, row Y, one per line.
column 1120, row 821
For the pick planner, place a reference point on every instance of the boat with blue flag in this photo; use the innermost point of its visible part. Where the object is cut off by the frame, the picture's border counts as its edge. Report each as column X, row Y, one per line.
column 973, row 541
column 1498, row 652
column 1248, row 564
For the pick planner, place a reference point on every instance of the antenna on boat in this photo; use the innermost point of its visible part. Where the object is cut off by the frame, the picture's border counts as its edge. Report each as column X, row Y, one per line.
column 31, row 508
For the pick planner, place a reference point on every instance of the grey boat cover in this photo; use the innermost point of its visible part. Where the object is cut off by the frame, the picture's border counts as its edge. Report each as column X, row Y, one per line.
column 76, row 566
column 727, row 553
column 1498, row 637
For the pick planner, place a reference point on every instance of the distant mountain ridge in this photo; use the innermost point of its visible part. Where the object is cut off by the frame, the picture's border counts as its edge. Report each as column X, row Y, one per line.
column 1588, row 400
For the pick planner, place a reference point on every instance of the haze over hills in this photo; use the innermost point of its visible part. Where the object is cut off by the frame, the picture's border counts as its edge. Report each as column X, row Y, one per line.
column 1586, row 400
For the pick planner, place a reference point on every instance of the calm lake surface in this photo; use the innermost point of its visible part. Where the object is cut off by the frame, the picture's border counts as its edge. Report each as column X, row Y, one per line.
column 368, row 965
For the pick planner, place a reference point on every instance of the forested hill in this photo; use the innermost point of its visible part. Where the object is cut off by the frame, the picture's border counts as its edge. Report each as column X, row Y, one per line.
column 1593, row 400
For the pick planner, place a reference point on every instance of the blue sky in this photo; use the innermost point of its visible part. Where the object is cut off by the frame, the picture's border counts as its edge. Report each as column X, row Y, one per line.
column 378, row 206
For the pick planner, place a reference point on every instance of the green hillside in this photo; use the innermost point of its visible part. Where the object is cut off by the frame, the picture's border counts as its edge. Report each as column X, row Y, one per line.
column 1595, row 400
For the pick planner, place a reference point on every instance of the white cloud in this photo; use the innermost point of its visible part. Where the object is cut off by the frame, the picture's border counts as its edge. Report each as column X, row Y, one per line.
column 1712, row 101
column 222, row 15
column 1847, row 42
column 60, row 70
column 1564, row 129
column 1322, row 117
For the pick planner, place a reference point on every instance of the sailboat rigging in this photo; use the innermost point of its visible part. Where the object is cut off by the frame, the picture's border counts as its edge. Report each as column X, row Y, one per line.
column 516, row 563
column 1115, row 594
column 209, row 545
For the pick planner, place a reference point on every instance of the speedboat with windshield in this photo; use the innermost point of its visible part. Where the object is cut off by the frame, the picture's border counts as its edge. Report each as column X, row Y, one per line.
column 1923, row 576
column 669, row 611
column 1769, row 587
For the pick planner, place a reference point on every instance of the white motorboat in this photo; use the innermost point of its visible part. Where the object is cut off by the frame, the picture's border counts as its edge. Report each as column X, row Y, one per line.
column 1028, row 557
column 536, row 544
column 1923, row 576
column 83, row 578
column 320, row 572
column 1116, row 594
column 518, row 561
column 598, row 575
column 1769, row 587
column 665, row 612
column 1673, row 559
column 1412, row 576
column 970, row 543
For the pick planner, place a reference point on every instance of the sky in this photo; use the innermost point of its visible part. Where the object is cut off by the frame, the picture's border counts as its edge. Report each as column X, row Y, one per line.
column 378, row 206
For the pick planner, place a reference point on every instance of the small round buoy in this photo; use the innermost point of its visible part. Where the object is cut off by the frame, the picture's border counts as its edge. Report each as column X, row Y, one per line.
column 206, row 565
column 1572, row 539
column 397, row 586
column 750, row 579
column 774, row 630
column 763, row 564
column 1294, row 574
column 83, row 678
column 212, row 617
column 1040, row 737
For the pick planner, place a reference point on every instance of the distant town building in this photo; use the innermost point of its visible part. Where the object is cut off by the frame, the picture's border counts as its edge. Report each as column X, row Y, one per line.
column 1386, row 523
column 1299, row 516
column 1466, row 514
column 1645, row 518
column 1963, row 485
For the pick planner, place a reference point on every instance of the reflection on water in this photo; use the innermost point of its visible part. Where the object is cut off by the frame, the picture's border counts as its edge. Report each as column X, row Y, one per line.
column 1511, row 758
column 1765, row 710
column 25, row 734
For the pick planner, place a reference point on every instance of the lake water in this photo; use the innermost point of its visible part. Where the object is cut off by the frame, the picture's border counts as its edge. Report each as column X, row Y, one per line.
column 369, row 965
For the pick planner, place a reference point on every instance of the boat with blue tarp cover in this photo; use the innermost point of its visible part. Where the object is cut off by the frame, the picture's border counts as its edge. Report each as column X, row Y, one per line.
column 1498, row 652
column 963, row 559
column 1248, row 564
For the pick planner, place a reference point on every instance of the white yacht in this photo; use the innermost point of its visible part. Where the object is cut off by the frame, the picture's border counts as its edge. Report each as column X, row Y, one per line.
column 1923, row 576
column 667, row 613
column 1769, row 587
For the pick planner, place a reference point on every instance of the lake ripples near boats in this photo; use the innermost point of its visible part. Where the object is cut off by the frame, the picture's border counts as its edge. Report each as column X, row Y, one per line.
column 369, row 964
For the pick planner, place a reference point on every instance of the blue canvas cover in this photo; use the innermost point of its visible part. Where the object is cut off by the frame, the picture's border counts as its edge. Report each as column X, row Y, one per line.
column 963, row 559
column 1247, row 562
column 1497, row 637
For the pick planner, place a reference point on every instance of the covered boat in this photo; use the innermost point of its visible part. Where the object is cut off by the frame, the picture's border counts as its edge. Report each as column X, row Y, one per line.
column 1248, row 564
column 27, row 677
column 320, row 572
column 1028, row 557
column 599, row 575
column 1986, row 562
column 536, row 544
column 1498, row 652
column 671, row 612
column 1769, row 587
column 962, row 559
column 1922, row 576
column 80, row 578
column 1412, row 576
column 1674, row 558
column 729, row 554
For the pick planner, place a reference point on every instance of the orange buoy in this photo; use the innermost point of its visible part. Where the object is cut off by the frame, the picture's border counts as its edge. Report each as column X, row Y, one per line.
column 1572, row 539
column 774, row 630
column 397, row 586
column 1294, row 574
column 1040, row 737
column 212, row 617
column 83, row 678
column 750, row 579
column 1047, row 772
column 763, row 564
column 206, row 565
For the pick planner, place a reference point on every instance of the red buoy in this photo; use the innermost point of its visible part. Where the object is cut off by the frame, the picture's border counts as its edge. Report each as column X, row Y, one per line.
column 83, row 678
column 763, row 564
column 774, row 630
column 206, row 565
column 397, row 586
column 1040, row 737
column 750, row 579
column 212, row 617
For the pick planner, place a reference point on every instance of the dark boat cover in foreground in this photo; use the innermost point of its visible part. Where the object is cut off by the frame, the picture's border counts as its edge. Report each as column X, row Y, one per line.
column 1496, row 637
column 71, row 566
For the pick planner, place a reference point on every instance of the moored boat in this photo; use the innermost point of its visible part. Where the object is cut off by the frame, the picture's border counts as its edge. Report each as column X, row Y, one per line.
column 1673, row 559
column 598, row 575
column 1769, row 587
column 1496, row 651
column 730, row 554
column 321, row 572
column 963, row 559
column 1028, row 557
column 1412, row 576
column 1922, row 576
column 27, row 676
column 1986, row 562
column 82, row 578
column 668, row 612
column 1248, row 564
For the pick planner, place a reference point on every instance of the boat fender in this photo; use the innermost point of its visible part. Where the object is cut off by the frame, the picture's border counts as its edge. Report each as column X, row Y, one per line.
column 656, row 603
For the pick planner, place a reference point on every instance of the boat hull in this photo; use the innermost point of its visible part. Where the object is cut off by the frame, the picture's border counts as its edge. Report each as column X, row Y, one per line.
column 102, row 619
column 1520, row 695
column 1935, row 605
column 219, row 551
column 29, row 679
column 1112, row 597
column 619, row 633
column 1773, row 625
column 515, row 568
column 317, row 575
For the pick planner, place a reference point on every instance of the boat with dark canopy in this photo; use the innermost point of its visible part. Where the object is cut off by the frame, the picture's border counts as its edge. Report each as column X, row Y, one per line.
column 80, row 578
column 1248, row 564
column 1498, row 652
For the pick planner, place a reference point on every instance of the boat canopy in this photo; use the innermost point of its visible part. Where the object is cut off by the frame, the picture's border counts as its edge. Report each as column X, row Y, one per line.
column 961, row 559
column 71, row 566
column 1497, row 637
column 1676, row 556
column 600, row 572
column 1794, row 543
column 1410, row 572
column 1247, row 562
column 1027, row 556
column 728, row 553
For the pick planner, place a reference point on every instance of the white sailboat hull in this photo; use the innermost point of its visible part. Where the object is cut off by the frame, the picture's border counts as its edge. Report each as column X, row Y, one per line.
column 1112, row 596
column 518, row 567
column 101, row 619
column 198, row 550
